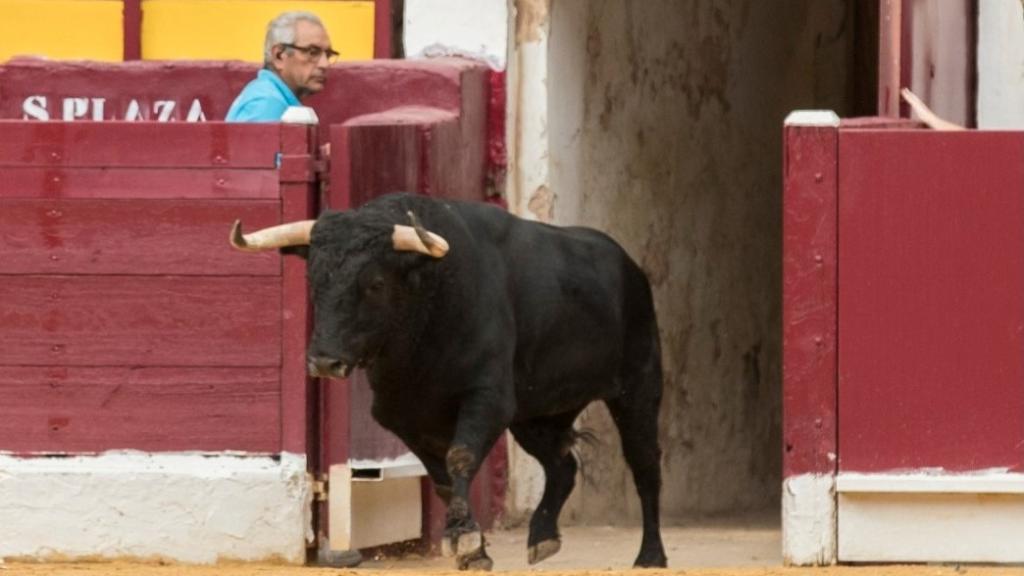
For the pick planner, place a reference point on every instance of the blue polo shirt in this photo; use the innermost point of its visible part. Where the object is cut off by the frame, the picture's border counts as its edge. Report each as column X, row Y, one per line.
column 263, row 100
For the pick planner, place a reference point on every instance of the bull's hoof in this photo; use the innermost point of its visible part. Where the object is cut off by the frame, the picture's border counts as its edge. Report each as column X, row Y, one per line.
column 543, row 550
column 652, row 560
column 462, row 544
column 476, row 560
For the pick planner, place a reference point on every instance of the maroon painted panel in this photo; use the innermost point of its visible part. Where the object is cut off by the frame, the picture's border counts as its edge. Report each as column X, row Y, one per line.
column 180, row 91
column 169, row 183
column 132, row 29
column 298, row 198
column 131, row 237
column 382, row 29
column 78, row 409
column 809, row 300
column 139, row 321
column 130, row 144
column 931, row 314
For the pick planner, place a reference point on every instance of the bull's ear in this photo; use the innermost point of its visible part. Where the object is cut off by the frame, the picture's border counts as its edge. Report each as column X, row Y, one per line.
column 301, row 250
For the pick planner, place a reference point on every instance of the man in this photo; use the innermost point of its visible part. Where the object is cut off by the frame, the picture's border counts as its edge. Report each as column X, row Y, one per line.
column 296, row 53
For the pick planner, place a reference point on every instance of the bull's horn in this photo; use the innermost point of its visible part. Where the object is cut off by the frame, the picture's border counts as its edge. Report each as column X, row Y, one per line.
column 407, row 239
column 291, row 234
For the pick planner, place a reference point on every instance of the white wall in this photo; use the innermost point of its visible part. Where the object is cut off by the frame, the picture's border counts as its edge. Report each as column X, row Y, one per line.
column 1001, row 64
column 473, row 28
column 660, row 122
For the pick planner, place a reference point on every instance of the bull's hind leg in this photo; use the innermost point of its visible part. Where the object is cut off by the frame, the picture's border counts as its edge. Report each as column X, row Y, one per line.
column 635, row 412
column 549, row 440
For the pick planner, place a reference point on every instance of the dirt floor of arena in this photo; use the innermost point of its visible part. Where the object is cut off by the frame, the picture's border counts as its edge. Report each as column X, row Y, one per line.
column 715, row 550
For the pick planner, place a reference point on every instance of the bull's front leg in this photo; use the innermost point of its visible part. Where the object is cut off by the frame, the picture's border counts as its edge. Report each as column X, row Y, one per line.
column 482, row 419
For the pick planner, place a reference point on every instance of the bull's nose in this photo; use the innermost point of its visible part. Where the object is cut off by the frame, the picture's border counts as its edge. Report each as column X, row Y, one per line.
column 326, row 367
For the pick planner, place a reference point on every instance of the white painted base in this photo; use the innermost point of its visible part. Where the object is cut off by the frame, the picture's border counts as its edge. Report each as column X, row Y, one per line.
column 809, row 520
column 931, row 518
column 373, row 504
column 194, row 508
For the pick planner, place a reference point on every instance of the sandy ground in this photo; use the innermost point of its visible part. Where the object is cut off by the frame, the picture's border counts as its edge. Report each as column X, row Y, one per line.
column 722, row 550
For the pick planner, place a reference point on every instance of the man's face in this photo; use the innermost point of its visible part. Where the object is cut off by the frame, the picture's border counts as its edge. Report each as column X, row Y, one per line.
column 303, row 73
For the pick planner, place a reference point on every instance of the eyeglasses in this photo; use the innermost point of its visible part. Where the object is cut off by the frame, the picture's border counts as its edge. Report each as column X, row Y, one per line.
column 315, row 52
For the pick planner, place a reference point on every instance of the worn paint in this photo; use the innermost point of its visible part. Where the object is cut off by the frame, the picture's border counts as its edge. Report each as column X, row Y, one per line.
column 187, row 507
column 809, row 520
column 810, row 292
column 531, row 20
column 542, row 204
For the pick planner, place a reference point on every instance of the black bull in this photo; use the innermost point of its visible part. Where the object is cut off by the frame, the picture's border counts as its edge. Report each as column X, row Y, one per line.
column 485, row 323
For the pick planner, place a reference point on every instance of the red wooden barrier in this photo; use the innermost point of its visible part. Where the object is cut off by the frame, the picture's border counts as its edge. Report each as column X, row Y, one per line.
column 903, row 333
column 126, row 320
column 809, row 299
column 408, row 126
column 931, row 318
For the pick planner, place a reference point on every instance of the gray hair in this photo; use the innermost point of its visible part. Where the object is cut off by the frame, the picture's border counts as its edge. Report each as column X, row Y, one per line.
column 281, row 30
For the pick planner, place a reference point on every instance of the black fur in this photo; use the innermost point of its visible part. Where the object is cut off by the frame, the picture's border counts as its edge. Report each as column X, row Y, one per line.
column 519, row 326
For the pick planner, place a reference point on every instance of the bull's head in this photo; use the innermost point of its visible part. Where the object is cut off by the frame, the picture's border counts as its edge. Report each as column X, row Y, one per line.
column 363, row 279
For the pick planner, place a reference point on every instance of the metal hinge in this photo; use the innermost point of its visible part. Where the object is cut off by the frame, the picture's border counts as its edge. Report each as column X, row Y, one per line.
column 320, row 487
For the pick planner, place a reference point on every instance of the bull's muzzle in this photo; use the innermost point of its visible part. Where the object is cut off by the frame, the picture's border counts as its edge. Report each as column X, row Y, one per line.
column 327, row 367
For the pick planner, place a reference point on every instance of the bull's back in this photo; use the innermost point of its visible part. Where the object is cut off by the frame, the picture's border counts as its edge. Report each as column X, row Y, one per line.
column 573, row 295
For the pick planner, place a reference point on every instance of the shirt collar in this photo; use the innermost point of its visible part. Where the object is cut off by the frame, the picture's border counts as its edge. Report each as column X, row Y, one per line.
column 273, row 78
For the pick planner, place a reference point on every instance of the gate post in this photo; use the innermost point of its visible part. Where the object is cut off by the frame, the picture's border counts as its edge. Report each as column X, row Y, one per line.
column 809, row 330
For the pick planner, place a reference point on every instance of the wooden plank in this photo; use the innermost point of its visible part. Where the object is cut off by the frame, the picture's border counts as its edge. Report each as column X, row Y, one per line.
column 382, row 24
column 139, row 321
column 141, row 237
column 890, row 61
column 76, row 409
column 158, row 183
column 931, row 229
column 368, row 441
column 298, row 400
column 132, row 29
column 809, row 268
column 138, row 144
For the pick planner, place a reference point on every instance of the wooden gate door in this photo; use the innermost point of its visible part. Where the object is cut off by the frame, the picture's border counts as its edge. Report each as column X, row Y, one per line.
column 930, row 345
column 378, row 493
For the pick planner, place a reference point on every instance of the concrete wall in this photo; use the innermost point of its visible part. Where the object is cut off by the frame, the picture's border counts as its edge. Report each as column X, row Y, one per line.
column 471, row 28
column 1001, row 64
column 662, row 126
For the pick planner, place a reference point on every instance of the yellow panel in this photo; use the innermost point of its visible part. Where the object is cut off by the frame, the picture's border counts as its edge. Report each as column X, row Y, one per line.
column 75, row 29
column 234, row 29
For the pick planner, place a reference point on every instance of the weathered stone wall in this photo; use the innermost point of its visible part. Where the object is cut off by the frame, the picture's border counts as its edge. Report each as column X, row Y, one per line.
column 664, row 123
